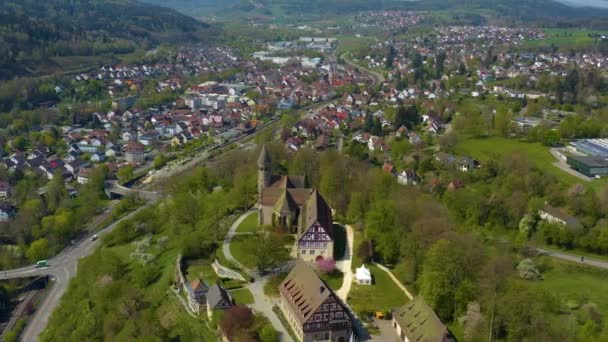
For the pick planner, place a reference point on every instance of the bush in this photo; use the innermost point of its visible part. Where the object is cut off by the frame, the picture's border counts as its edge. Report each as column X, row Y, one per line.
column 268, row 334
column 326, row 265
column 365, row 251
column 527, row 270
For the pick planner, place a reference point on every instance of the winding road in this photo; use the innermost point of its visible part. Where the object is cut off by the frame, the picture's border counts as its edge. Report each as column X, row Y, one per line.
column 261, row 302
column 61, row 269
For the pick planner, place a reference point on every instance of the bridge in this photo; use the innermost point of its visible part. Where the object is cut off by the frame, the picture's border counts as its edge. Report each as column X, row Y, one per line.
column 113, row 188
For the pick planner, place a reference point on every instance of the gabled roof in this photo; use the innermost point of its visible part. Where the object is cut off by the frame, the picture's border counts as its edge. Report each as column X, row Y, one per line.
column 215, row 295
column 304, row 291
column 286, row 204
column 317, row 210
column 419, row 322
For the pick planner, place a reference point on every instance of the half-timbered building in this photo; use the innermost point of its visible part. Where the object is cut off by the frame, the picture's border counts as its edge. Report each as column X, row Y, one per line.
column 312, row 309
column 218, row 299
column 284, row 201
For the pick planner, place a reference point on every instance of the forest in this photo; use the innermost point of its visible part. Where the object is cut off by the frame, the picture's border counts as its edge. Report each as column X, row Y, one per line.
column 40, row 32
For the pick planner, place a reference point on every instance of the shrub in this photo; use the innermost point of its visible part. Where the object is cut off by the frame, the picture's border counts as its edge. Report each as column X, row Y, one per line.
column 326, row 265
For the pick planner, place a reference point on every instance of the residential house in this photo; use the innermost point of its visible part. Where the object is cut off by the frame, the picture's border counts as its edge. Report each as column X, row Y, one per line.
column 218, row 299
column 98, row 157
column 197, row 295
column 408, row 177
column 466, row 164
column 312, row 309
column 5, row 190
column 7, row 211
column 134, row 152
column 559, row 216
column 416, row 321
column 84, row 175
column 455, row 185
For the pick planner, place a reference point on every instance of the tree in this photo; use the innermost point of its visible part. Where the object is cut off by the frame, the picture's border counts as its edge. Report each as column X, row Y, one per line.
column 38, row 250
column 380, row 227
column 326, row 265
column 357, row 207
column 365, row 251
column 446, row 272
column 55, row 192
column 439, row 63
column 268, row 334
column 407, row 116
column 268, row 250
column 236, row 320
column 125, row 173
column 160, row 161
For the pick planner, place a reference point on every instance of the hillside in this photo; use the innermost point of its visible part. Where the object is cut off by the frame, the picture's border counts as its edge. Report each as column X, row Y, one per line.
column 546, row 12
column 37, row 35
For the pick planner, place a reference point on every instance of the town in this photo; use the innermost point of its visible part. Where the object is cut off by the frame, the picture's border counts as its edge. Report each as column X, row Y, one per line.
column 382, row 175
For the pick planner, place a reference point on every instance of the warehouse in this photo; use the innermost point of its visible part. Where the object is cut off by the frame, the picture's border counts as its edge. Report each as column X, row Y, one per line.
column 589, row 165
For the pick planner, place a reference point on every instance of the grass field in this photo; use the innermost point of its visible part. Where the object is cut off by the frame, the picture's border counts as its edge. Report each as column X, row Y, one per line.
column 353, row 43
column 333, row 280
column 242, row 296
column 240, row 246
column 249, row 224
column 383, row 295
column 565, row 38
column 569, row 281
column 202, row 271
column 495, row 147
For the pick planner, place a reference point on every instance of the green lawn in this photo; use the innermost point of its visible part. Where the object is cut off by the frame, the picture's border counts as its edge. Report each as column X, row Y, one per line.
column 565, row 38
column 383, row 295
column 249, row 224
column 569, row 281
column 495, row 147
column 202, row 271
column 334, row 279
column 486, row 148
column 241, row 247
column 242, row 296
column 271, row 288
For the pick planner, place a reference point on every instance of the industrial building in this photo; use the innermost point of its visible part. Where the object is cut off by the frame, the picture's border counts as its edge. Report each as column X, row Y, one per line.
column 588, row 165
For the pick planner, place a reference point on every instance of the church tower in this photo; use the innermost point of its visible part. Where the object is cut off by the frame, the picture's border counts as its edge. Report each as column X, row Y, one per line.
column 263, row 171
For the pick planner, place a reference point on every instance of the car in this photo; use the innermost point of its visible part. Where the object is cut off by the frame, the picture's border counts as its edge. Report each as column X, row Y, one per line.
column 94, row 237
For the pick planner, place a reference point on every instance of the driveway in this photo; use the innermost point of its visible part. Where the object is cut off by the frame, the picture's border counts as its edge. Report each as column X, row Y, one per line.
column 560, row 163
column 386, row 331
column 261, row 303
column 345, row 265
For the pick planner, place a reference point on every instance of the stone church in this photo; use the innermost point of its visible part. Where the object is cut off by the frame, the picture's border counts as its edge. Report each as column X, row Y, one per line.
column 285, row 201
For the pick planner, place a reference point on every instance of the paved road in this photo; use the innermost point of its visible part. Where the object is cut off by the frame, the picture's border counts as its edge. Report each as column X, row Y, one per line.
column 61, row 268
column 572, row 258
column 261, row 303
column 560, row 163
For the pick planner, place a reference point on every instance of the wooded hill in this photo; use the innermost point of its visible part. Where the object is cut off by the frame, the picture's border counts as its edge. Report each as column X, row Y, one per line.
column 36, row 32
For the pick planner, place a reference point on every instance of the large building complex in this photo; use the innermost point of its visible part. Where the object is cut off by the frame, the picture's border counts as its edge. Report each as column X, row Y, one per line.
column 590, row 158
column 285, row 201
column 312, row 309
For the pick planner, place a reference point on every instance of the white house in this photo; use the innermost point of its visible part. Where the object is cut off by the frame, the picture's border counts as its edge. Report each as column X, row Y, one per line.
column 363, row 276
